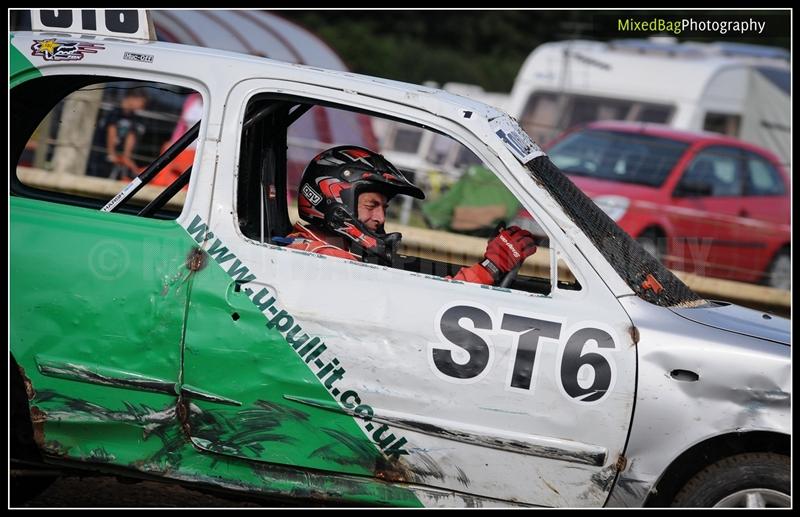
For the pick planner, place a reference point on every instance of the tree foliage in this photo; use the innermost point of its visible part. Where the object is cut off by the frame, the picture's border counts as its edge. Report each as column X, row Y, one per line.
column 478, row 47
column 483, row 47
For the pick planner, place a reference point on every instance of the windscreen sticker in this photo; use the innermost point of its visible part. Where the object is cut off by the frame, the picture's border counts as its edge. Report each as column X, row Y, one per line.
column 517, row 141
column 141, row 58
column 63, row 50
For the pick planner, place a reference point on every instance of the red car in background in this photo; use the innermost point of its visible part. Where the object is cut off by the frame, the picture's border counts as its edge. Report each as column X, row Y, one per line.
column 701, row 202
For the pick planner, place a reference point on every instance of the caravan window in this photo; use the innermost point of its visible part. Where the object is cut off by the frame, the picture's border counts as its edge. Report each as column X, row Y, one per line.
column 722, row 123
column 589, row 109
column 549, row 113
column 540, row 119
column 405, row 140
column 440, row 150
column 654, row 114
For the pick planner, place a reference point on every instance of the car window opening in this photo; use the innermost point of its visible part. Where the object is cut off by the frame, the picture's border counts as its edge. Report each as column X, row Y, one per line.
column 80, row 139
column 269, row 169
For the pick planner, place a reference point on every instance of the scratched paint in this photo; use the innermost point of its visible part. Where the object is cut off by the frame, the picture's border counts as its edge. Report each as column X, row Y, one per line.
column 79, row 409
column 390, row 367
column 741, row 385
column 150, row 280
column 311, row 437
column 96, row 374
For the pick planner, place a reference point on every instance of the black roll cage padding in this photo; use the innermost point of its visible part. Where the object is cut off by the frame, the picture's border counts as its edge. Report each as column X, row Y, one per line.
column 265, row 111
column 261, row 193
column 182, row 143
column 284, row 118
column 167, row 193
column 298, row 112
column 159, row 163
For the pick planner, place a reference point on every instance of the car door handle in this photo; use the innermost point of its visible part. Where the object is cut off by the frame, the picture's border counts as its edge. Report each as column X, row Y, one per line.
column 744, row 213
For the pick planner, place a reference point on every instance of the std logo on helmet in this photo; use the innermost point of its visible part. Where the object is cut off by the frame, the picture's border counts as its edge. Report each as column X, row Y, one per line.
column 312, row 196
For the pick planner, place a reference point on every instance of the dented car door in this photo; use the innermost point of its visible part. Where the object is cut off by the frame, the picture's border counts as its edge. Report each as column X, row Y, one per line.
column 356, row 369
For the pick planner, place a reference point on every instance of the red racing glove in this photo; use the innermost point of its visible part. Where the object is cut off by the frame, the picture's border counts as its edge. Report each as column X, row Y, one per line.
column 510, row 248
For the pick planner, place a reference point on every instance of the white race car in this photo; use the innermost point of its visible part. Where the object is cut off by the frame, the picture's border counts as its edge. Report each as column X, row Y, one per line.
column 183, row 340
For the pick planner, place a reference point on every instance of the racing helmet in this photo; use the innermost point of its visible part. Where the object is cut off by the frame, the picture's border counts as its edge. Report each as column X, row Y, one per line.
column 329, row 190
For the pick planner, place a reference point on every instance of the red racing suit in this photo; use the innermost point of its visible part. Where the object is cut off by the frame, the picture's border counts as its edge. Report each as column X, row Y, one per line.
column 306, row 240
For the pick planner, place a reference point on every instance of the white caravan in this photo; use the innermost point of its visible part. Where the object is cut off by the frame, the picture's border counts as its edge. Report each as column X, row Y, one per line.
column 735, row 89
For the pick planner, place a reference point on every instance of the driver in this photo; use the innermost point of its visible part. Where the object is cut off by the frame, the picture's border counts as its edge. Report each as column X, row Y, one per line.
column 343, row 197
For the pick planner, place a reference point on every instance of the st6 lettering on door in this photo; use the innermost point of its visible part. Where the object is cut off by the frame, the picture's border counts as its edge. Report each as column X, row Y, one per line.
column 466, row 350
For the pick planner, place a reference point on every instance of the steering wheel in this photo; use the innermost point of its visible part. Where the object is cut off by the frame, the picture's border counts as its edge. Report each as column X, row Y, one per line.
column 509, row 277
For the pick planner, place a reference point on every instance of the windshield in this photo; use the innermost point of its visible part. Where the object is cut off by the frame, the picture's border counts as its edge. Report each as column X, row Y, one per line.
column 643, row 273
column 617, row 156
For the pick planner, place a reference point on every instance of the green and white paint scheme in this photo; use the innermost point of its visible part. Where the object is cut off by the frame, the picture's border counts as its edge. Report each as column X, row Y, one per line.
column 186, row 350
